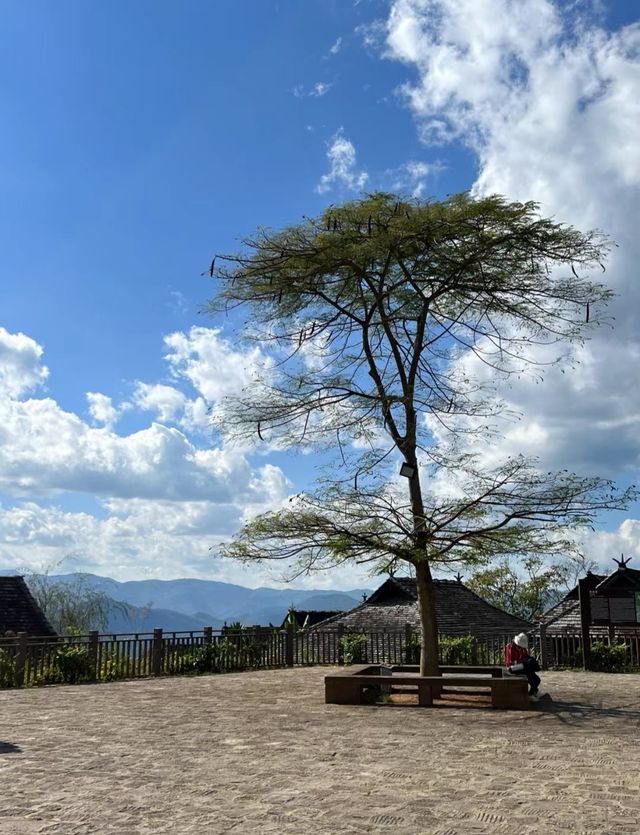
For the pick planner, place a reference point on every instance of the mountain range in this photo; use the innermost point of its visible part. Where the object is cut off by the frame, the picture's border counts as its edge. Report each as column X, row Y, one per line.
column 187, row 604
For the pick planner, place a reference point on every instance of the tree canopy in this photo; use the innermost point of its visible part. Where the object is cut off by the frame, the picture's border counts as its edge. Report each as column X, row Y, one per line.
column 371, row 313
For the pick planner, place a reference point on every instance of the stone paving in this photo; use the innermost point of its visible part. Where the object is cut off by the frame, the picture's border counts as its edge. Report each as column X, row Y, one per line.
column 261, row 753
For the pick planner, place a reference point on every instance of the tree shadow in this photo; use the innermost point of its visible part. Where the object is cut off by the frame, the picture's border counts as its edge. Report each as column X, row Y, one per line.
column 9, row 748
column 577, row 713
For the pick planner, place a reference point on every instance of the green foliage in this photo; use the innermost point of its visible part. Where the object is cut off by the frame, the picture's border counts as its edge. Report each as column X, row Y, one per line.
column 605, row 658
column 453, row 649
column 352, row 648
column 412, row 648
column 610, row 658
column 457, row 649
column 71, row 605
column 7, row 669
column 68, row 663
column 527, row 591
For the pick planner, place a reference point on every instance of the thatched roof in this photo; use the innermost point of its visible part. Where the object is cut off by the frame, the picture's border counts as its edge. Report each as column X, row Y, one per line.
column 19, row 612
column 460, row 611
column 565, row 615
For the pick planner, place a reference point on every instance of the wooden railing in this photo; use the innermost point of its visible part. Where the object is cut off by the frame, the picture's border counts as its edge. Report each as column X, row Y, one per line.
column 29, row 661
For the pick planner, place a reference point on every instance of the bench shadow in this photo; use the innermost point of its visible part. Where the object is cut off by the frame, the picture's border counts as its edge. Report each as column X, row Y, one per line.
column 9, row 748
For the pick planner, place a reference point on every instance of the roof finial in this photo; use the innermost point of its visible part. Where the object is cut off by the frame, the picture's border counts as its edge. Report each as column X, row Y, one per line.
column 459, row 577
column 622, row 562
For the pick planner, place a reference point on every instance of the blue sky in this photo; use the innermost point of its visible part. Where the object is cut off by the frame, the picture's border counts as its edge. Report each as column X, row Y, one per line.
column 137, row 141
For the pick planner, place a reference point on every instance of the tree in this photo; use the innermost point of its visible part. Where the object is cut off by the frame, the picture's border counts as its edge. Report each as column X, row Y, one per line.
column 71, row 605
column 529, row 592
column 527, row 596
column 372, row 311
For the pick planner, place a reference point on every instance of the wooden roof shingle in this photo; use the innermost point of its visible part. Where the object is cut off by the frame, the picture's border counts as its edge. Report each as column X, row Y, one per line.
column 19, row 611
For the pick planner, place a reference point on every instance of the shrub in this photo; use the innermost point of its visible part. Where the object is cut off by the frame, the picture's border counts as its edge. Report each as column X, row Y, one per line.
column 457, row 649
column 352, row 648
column 7, row 669
column 609, row 658
column 454, row 649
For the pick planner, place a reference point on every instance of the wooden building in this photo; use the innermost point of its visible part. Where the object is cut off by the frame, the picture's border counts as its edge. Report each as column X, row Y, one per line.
column 19, row 611
column 614, row 602
column 460, row 611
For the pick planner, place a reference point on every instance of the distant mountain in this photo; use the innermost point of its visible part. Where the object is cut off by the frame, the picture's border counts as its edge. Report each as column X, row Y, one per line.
column 135, row 619
column 191, row 604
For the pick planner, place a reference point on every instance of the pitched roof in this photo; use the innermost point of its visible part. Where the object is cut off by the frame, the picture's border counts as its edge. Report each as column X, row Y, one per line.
column 459, row 610
column 565, row 615
column 19, row 611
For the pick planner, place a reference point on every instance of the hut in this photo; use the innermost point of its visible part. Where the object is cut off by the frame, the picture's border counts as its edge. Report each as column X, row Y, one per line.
column 19, row 611
column 615, row 604
column 393, row 607
column 600, row 607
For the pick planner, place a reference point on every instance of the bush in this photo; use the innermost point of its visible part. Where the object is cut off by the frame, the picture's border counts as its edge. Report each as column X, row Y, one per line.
column 352, row 648
column 457, row 649
column 605, row 658
column 454, row 649
column 609, row 658
column 7, row 669
column 412, row 649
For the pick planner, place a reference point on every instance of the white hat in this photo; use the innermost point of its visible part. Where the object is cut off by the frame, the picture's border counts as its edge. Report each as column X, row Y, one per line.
column 521, row 640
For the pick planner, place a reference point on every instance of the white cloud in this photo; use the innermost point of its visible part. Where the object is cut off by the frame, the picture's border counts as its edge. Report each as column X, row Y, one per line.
column 336, row 47
column 412, row 177
column 316, row 91
column 101, row 409
column 212, row 365
column 21, row 370
column 166, row 401
column 47, row 450
column 550, row 104
column 341, row 155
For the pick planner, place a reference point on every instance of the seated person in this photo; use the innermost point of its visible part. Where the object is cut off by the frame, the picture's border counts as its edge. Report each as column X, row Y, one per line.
column 519, row 662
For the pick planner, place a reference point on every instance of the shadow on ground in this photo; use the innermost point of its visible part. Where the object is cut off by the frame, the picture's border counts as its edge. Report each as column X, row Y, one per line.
column 9, row 748
column 575, row 712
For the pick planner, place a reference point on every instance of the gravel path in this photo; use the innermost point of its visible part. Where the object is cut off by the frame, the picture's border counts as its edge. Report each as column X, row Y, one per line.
column 261, row 753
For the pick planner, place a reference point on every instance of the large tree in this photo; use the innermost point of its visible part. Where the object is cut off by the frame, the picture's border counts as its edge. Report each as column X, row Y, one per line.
column 378, row 315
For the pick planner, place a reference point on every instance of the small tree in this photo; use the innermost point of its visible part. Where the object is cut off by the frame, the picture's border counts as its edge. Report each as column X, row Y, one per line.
column 371, row 310
column 531, row 589
column 71, row 605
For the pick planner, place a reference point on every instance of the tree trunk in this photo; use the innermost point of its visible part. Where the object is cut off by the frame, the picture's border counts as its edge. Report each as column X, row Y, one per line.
column 427, row 606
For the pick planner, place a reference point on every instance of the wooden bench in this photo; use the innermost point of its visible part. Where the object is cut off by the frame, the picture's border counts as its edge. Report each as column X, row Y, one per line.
column 346, row 688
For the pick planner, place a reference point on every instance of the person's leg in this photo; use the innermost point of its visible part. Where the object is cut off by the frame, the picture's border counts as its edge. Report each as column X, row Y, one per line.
column 530, row 671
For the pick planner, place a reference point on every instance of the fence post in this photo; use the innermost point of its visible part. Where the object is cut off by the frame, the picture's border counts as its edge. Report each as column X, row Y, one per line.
column 207, row 634
column 408, row 637
column 288, row 646
column 544, row 654
column 20, row 669
column 156, row 653
column 93, row 653
column 339, row 635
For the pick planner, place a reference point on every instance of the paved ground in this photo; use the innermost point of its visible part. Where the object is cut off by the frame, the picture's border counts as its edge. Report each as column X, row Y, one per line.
column 262, row 753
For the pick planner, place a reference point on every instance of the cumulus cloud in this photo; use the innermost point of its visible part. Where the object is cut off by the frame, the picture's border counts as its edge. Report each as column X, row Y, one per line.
column 550, row 105
column 336, row 47
column 343, row 171
column 101, row 408
column 166, row 401
column 21, row 369
column 47, row 450
column 211, row 363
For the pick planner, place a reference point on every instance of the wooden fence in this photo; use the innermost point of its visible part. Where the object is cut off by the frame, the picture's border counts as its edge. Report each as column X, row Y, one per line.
column 565, row 649
column 28, row 661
